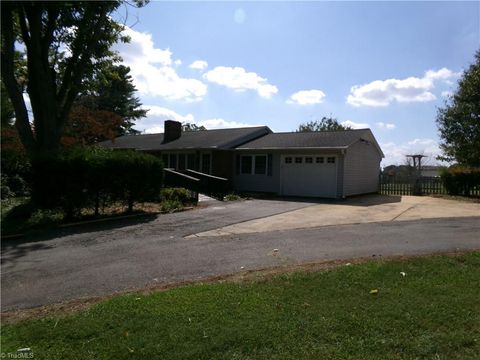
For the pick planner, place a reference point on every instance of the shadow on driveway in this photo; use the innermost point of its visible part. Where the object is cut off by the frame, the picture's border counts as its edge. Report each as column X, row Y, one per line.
column 357, row 200
column 17, row 247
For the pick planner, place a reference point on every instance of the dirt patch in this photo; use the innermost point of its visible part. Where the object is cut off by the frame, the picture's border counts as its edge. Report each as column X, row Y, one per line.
column 258, row 275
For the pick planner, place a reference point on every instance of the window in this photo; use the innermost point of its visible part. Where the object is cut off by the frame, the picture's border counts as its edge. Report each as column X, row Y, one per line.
column 288, row 160
column 181, row 161
column 331, row 160
column 320, row 160
column 206, row 163
column 246, row 167
column 260, row 164
column 298, row 160
column 308, row 160
column 173, row 161
column 191, row 162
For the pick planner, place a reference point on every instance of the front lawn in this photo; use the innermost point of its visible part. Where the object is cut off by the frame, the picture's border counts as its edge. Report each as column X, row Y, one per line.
column 425, row 308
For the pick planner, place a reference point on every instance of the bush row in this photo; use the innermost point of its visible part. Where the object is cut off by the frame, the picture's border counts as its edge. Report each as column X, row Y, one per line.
column 94, row 177
column 459, row 180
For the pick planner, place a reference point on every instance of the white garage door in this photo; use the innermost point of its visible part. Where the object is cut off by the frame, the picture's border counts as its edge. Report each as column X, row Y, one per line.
column 309, row 175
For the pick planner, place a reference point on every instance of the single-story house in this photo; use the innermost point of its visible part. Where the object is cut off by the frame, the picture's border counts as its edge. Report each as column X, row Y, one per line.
column 330, row 164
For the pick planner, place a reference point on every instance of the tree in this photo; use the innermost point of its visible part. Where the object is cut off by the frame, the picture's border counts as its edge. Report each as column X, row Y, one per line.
column 7, row 112
column 112, row 90
column 64, row 42
column 192, row 127
column 459, row 121
column 324, row 124
column 87, row 127
column 106, row 108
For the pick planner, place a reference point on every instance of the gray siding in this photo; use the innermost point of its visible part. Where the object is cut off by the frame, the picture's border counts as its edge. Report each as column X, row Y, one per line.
column 361, row 169
column 260, row 183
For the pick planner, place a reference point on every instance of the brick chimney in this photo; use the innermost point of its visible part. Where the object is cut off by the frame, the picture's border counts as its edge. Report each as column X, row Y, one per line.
column 173, row 130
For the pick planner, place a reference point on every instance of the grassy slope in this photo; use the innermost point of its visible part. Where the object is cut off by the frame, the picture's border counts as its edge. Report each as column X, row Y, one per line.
column 431, row 313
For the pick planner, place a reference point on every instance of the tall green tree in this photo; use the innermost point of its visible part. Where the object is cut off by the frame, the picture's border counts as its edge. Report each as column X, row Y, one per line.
column 113, row 90
column 324, row 124
column 106, row 108
column 64, row 44
column 459, row 121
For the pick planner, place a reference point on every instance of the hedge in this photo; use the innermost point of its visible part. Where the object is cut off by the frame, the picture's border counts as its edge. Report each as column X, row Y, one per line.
column 90, row 177
column 459, row 180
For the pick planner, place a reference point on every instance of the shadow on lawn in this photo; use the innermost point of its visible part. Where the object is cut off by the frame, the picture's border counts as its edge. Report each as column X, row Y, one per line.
column 13, row 249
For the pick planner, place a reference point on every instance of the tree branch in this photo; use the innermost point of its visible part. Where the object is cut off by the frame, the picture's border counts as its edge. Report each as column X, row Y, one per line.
column 12, row 87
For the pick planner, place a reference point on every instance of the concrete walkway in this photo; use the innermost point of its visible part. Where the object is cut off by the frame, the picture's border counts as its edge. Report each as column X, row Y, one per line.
column 359, row 210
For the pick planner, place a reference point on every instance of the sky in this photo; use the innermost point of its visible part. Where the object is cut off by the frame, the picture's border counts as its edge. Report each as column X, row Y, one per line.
column 385, row 66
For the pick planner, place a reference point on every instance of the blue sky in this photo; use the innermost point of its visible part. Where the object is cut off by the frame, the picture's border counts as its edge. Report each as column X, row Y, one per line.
column 387, row 66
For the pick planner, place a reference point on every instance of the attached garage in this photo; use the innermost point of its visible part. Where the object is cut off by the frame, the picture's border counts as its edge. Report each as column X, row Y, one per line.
column 329, row 164
column 308, row 175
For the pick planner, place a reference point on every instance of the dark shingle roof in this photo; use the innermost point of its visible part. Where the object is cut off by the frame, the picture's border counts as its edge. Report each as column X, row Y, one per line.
column 322, row 139
column 206, row 139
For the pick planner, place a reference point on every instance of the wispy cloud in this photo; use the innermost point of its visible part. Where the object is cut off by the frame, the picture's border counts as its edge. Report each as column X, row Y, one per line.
column 156, row 115
column 198, row 65
column 307, row 97
column 355, row 125
column 387, row 126
column 395, row 153
column 238, row 79
column 153, row 72
column 413, row 89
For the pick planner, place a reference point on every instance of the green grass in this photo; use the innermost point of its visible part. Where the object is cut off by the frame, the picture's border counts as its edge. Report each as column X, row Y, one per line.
column 431, row 313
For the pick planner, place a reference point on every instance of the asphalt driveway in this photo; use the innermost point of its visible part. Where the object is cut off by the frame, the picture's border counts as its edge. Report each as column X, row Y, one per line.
column 107, row 258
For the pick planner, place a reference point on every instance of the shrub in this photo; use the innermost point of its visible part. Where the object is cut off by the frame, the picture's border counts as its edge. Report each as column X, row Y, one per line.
column 85, row 177
column 170, row 205
column 175, row 194
column 459, row 180
column 232, row 197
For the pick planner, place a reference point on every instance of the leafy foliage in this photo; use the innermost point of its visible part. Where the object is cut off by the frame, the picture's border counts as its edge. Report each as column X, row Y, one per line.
column 460, row 180
column 90, row 177
column 65, row 44
column 87, row 126
column 192, row 127
column 324, row 124
column 459, row 121
column 112, row 91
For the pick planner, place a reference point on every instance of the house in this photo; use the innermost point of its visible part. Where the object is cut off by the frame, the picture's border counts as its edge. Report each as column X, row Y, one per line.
column 331, row 164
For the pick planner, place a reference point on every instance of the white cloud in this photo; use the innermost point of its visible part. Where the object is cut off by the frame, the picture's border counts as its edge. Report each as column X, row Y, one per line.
column 307, row 97
column 387, row 126
column 238, row 79
column 355, row 125
column 152, row 71
column 384, row 92
column 178, row 62
column 239, row 16
column 396, row 153
column 447, row 94
column 198, row 65
column 156, row 115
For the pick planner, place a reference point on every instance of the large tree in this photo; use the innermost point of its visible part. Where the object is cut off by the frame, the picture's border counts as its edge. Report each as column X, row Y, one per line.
column 112, row 90
column 106, row 108
column 459, row 121
column 324, row 124
column 64, row 43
